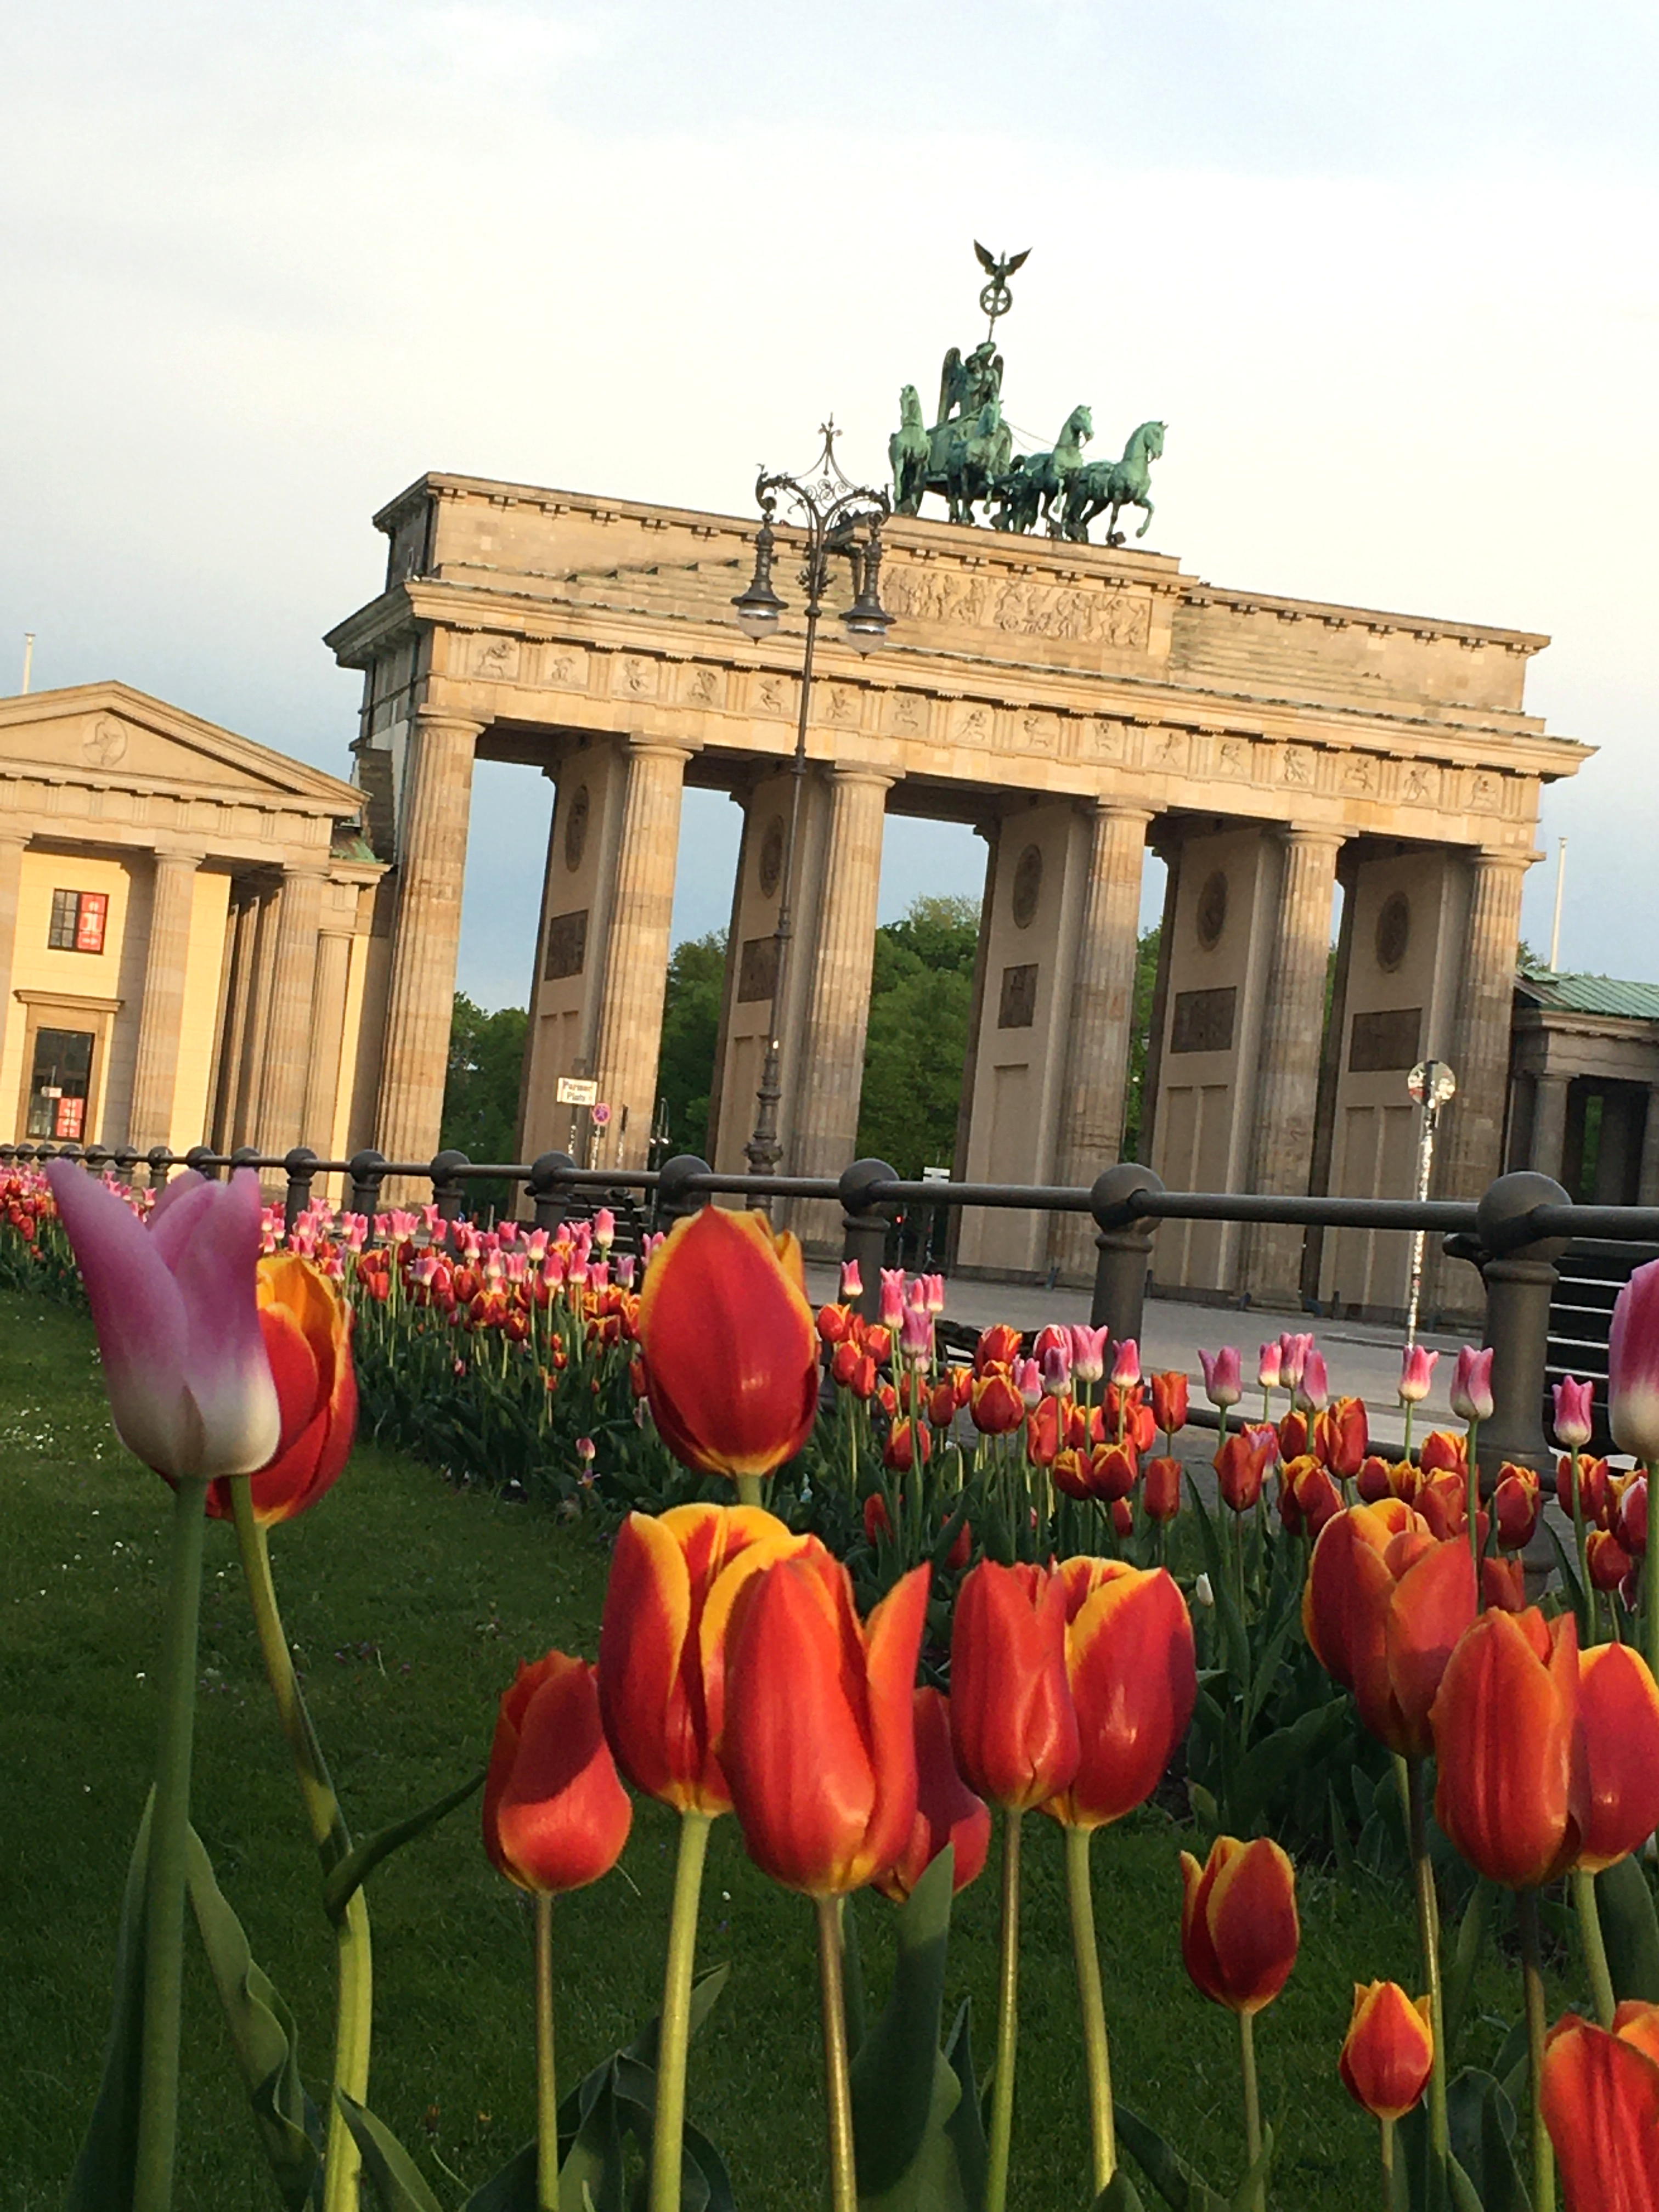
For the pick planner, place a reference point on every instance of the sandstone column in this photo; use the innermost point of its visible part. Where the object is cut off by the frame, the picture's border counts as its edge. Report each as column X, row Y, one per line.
column 426, row 934
column 288, row 1025
column 244, row 1110
column 244, row 921
column 1287, row 1067
column 1647, row 1192
column 162, row 1011
column 1549, row 1121
column 11, row 874
column 828, row 1069
column 1101, row 1014
column 636, row 953
column 328, row 1010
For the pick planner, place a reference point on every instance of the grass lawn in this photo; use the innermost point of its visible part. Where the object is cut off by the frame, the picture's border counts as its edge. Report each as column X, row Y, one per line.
column 411, row 1605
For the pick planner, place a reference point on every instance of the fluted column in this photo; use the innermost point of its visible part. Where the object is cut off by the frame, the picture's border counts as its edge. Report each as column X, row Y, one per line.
column 244, row 1110
column 239, row 993
column 636, row 954
column 426, row 934
column 162, row 1013
column 288, row 1026
column 1287, row 1065
column 1647, row 1189
column 828, row 1076
column 11, row 875
column 1549, row 1123
column 1100, row 1015
column 328, row 1010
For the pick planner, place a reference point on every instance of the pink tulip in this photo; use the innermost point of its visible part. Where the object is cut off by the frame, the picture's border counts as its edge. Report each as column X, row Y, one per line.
column 599, row 1275
column 917, row 1335
column 1056, row 1371
column 1416, row 1374
column 1313, row 1392
column 1223, row 1385
column 1632, row 1364
column 173, row 1303
column 1088, row 1348
column 852, row 1283
column 1028, row 1381
column 892, row 1296
column 1126, row 1365
column 1471, row 1390
column 1268, row 1373
column 934, row 1285
column 625, row 1272
column 604, row 1228
column 1575, row 1413
column 1293, row 1352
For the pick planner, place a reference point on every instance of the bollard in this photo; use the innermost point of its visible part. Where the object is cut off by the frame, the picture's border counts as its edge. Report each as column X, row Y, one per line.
column 674, row 1198
column 300, row 1166
column 864, row 1227
column 548, row 1188
column 1124, row 1243
column 448, row 1189
column 367, row 1171
column 1519, row 1274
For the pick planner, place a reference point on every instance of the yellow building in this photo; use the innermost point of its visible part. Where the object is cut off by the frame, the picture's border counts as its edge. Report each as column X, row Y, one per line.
column 185, row 947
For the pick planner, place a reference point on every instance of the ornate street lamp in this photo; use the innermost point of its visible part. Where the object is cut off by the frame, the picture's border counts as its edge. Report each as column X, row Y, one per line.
column 836, row 518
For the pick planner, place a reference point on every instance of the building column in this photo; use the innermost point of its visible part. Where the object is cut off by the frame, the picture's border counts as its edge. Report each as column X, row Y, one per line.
column 239, row 991
column 328, row 1012
column 829, row 1071
column 289, row 1025
column 1647, row 1192
column 426, row 935
column 1102, row 1016
column 1549, row 1122
column 244, row 1110
column 629, row 1040
column 12, row 844
column 162, row 1011
column 1287, row 1068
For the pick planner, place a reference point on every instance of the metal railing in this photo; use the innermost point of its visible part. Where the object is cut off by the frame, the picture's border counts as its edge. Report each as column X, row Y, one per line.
column 1514, row 1235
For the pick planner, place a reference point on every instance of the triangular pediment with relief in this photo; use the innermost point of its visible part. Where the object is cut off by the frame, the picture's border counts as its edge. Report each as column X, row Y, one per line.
column 114, row 735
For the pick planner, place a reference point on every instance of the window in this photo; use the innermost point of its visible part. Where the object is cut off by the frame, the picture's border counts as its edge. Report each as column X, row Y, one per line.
column 58, row 1085
column 78, row 921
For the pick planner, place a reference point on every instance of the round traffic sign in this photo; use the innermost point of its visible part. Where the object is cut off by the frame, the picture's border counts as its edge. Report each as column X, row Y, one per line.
column 1431, row 1082
column 601, row 1114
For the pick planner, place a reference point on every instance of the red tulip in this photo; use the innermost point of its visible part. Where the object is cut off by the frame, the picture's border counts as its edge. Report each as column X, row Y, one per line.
column 877, row 1522
column 1241, row 1466
column 1607, row 1559
column 1341, row 1438
column 1516, row 1505
column 1013, row 1722
column 1513, row 1794
column 1294, row 1435
column 1590, row 1477
column 730, row 1351
column 998, row 1346
column 1043, row 1432
column 1633, row 1524
column 1383, row 1607
column 1112, row 1473
column 1503, row 1584
column 306, row 1326
column 899, row 1454
column 662, row 1643
column 1388, row 2054
column 1134, row 1682
column 819, row 1739
column 1599, row 2093
column 947, row 1811
column 1160, row 1489
column 554, row 1815
column 1169, row 1400
column 1239, row 1930
column 1308, row 1496
column 1619, row 1708
column 1440, row 1450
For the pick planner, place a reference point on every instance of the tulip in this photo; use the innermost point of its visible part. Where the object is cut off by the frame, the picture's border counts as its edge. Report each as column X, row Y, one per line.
column 1376, row 1480
column 1341, row 1438
column 1133, row 1683
column 1126, row 1365
column 906, row 1444
column 1516, row 1505
column 1112, row 1474
column 1443, row 1451
column 1599, row 2096
column 998, row 1346
column 835, row 1324
column 1632, row 1364
column 1581, row 1485
column 1169, row 1403
column 1513, row 1794
column 1012, row 1717
column 1308, row 1496
column 1383, row 1609
column 947, row 1811
column 1504, row 1584
column 726, row 1336
column 853, row 1370
column 306, row 1326
column 1221, row 1377
column 1416, row 1374
column 555, row 1816
column 995, row 1406
column 1056, row 1371
column 1389, row 2050
column 1575, row 1413
column 1268, row 1366
column 1471, row 1390
column 877, row 1520
column 1241, row 1466
column 1314, row 1390
column 1028, row 1381
column 1293, row 1352
column 1608, row 1560
column 1618, row 1708
column 1160, row 1490
column 1293, row 1434
column 1239, row 1931
column 1088, row 1351
column 852, row 1283
column 916, row 1336
column 892, row 1296
column 1633, row 1524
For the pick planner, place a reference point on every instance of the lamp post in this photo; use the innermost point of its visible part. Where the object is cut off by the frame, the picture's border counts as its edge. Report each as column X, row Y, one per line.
column 836, row 518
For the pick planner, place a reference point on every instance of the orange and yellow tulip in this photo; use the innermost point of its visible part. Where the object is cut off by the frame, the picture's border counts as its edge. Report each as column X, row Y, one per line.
column 994, row 1406
column 1239, row 1930
column 1387, row 2053
column 555, row 1816
column 1599, row 2093
column 306, row 1326
column 662, row 1643
column 1513, row 1793
column 1012, row 1723
column 1169, row 1400
column 947, row 1811
column 1383, row 1607
column 819, row 1743
column 1160, row 1489
column 1341, row 1436
column 1618, row 1708
column 1133, row 1681
column 1241, row 1467
column 729, row 1344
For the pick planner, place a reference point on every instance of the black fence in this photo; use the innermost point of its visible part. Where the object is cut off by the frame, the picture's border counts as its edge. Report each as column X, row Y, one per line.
column 1549, row 1269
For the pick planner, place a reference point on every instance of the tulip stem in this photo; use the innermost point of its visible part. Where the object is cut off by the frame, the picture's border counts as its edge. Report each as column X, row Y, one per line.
column 837, row 2077
column 1532, row 1974
column 750, row 1490
column 1595, row 1950
column 164, row 1891
column 1002, row 2091
column 353, row 2004
column 668, row 2130
column 1388, row 2165
column 547, row 2088
column 1651, row 1586
column 1428, row 1933
column 1580, row 1542
column 1471, row 1444
column 1097, row 2051
column 1258, row 2197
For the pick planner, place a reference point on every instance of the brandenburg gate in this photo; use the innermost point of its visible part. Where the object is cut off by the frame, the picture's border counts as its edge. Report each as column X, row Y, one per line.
column 1077, row 704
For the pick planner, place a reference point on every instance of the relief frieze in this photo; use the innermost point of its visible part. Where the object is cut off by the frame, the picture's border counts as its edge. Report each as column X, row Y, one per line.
column 921, row 591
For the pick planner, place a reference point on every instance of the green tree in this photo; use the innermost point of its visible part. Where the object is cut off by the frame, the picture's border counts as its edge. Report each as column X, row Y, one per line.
column 481, row 1092
column 690, row 1033
column 921, row 988
column 1140, row 1031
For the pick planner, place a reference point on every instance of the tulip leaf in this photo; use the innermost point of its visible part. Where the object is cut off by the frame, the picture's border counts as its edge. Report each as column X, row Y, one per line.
column 705, row 1995
column 1267, row 1764
column 263, row 2034
column 390, row 2173
column 896, row 2084
column 1234, row 1634
column 1119, row 2194
column 1465, row 1957
column 1252, row 2190
column 354, row 1869
column 966, row 2125
column 1163, row 2165
column 1630, row 1926
column 511, row 2190
column 1566, row 1559
column 102, row 2181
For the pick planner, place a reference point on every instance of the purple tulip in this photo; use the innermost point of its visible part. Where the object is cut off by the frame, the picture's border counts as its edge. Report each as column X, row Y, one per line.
column 892, row 1296
column 1416, row 1374
column 917, row 1335
column 1028, row 1381
column 1313, row 1392
column 174, row 1305
column 1056, row 1371
column 1471, row 1390
column 1575, row 1413
column 1223, row 1386
column 1633, row 1365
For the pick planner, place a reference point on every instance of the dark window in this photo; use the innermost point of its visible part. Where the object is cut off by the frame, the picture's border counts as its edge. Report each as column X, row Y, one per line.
column 58, row 1085
column 1380, row 1042
column 78, row 921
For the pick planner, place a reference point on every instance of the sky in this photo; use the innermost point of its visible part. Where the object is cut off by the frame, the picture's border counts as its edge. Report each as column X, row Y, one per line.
column 1387, row 272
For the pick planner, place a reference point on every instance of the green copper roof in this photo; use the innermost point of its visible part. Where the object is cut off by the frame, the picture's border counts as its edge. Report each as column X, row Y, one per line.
column 1592, row 994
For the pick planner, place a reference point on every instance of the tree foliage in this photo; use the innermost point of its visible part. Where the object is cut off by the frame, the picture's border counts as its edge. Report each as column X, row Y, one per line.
column 920, row 990
column 690, row 1033
column 480, row 1089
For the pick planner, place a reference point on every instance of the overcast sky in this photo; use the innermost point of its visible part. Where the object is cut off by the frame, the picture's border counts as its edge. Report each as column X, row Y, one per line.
column 1388, row 271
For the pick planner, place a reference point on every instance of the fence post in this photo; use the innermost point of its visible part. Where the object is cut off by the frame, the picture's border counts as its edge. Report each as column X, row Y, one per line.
column 1519, row 1273
column 1124, row 1243
column 864, row 1227
column 198, row 1156
column 546, row 1185
column 674, row 1197
column 98, row 1156
column 448, row 1189
column 299, row 1166
column 367, row 1171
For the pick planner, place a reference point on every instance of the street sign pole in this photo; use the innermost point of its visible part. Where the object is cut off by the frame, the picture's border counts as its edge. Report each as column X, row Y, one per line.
column 1430, row 1083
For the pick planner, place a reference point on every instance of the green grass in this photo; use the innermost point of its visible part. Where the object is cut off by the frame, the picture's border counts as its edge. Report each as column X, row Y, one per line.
column 411, row 1605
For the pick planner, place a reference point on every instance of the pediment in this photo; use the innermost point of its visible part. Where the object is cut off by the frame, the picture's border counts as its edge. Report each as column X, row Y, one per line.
column 117, row 736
